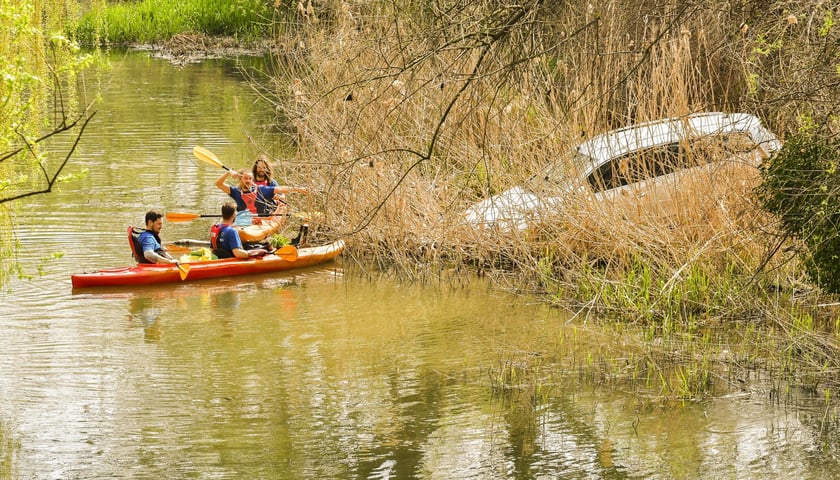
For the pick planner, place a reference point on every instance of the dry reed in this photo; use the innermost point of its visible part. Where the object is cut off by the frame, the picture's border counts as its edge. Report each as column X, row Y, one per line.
column 404, row 116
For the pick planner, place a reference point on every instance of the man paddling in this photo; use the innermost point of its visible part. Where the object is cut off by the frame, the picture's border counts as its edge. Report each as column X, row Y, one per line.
column 145, row 244
column 225, row 239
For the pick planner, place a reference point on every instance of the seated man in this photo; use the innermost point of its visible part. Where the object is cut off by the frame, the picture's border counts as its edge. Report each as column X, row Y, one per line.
column 145, row 244
column 257, row 199
column 225, row 239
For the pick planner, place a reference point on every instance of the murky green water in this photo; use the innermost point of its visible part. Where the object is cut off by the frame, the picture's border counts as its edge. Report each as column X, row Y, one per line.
column 318, row 373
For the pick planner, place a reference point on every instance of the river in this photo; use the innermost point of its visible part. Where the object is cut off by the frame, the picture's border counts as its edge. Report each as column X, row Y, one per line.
column 321, row 373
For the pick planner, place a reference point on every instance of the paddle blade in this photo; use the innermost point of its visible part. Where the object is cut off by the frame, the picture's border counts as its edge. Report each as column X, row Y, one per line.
column 287, row 252
column 207, row 156
column 184, row 270
column 181, row 217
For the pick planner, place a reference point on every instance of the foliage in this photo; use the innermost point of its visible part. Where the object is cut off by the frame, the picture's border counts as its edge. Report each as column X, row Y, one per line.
column 35, row 57
column 802, row 188
column 39, row 71
column 150, row 21
column 38, row 67
column 278, row 240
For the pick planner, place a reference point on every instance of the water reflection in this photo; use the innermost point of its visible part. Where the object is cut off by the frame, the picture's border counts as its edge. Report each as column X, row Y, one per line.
column 143, row 310
column 311, row 375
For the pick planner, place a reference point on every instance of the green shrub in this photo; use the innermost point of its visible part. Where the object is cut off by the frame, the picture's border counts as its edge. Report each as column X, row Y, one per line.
column 801, row 186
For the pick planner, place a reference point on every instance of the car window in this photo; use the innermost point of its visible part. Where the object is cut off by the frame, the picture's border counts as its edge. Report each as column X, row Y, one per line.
column 559, row 174
column 663, row 160
column 637, row 166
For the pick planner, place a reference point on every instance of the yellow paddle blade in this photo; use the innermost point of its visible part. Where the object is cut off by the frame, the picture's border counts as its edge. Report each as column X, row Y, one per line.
column 184, row 270
column 287, row 252
column 181, row 217
column 207, row 156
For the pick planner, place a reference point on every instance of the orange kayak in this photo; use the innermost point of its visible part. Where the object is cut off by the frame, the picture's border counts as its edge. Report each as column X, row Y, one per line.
column 146, row 273
column 258, row 232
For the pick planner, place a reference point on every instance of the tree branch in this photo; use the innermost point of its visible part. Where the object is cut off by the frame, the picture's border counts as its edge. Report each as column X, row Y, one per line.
column 50, row 180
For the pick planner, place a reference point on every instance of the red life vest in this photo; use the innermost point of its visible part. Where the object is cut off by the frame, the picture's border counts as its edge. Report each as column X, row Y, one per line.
column 216, row 232
column 250, row 199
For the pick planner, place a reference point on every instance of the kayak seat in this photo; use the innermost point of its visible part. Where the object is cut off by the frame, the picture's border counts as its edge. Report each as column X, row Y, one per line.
column 134, row 243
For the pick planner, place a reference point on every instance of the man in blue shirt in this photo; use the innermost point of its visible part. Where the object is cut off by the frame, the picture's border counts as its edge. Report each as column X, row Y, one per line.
column 252, row 197
column 225, row 239
column 146, row 245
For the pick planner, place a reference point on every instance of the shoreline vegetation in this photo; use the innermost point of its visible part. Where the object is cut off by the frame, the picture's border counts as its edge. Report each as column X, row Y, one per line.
column 404, row 114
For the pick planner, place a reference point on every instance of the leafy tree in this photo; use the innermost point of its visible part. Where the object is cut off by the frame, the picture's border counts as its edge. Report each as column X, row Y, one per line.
column 39, row 67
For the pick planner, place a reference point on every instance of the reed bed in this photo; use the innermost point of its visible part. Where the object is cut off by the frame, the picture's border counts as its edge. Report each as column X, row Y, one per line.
column 404, row 116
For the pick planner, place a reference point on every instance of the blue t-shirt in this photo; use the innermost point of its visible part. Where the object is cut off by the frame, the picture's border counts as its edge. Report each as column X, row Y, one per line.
column 228, row 239
column 148, row 242
column 266, row 205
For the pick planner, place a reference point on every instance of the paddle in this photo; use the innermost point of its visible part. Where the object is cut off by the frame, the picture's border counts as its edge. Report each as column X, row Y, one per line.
column 287, row 252
column 207, row 156
column 184, row 270
column 188, row 217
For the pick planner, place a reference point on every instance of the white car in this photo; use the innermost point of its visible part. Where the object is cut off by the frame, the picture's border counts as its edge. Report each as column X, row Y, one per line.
column 645, row 163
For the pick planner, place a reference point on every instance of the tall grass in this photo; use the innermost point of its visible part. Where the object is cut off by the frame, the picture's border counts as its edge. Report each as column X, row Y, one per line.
column 404, row 116
column 152, row 21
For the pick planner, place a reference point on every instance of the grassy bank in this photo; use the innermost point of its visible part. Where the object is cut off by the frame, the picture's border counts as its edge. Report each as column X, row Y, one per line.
column 155, row 21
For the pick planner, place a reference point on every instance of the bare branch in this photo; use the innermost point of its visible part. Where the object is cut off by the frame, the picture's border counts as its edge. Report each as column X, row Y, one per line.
column 51, row 180
column 61, row 129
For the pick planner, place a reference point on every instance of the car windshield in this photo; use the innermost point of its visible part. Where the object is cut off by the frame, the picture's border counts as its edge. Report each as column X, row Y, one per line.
column 561, row 175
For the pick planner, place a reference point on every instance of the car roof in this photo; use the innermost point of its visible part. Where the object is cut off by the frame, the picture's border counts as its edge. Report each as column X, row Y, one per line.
column 616, row 143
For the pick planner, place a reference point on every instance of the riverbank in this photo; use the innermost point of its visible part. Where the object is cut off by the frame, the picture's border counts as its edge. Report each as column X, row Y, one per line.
column 185, row 48
column 403, row 136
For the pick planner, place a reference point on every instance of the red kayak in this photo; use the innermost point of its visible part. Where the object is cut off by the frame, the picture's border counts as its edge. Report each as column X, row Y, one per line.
column 286, row 258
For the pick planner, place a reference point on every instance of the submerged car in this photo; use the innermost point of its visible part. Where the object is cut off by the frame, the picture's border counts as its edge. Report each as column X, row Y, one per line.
column 645, row 164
